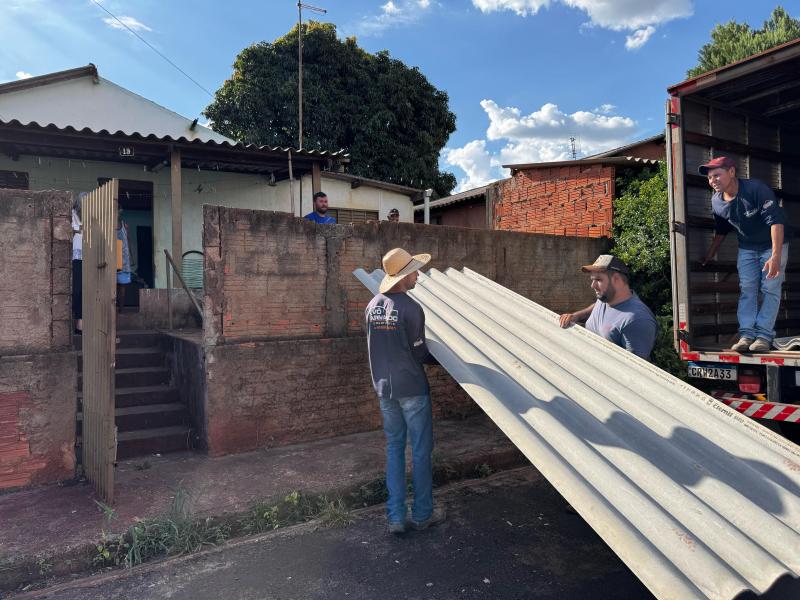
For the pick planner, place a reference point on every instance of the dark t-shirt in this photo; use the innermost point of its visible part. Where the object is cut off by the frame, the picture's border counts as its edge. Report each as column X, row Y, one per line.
column 313, row 216
column 629, row 324
column 396, row 346
column 751, row 214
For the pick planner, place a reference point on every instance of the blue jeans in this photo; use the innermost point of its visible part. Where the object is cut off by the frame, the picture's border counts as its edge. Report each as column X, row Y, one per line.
column 410, row 417
column 755, row 321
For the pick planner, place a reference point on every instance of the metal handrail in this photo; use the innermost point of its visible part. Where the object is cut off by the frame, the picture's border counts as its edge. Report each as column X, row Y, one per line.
column 171, row 263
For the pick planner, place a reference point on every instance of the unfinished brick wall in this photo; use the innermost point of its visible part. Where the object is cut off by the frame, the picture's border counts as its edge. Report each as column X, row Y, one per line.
column 35, row 271
column 38, row 369
column 37, row 418
column 286, row 356
column 567, row 201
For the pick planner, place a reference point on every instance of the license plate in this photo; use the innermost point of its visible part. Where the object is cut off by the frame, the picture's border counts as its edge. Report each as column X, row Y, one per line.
column 712, row 371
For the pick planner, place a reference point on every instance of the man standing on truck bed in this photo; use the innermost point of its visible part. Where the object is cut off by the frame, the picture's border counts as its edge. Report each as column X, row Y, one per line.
column 750, row 207
column 618, row 314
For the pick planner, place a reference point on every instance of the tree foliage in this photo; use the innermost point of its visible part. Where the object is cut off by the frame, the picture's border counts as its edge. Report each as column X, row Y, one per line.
column 734, row 41
column 388, row 116
column 641, row 240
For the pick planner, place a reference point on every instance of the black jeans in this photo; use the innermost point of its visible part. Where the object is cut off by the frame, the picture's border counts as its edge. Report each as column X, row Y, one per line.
column 77, row 288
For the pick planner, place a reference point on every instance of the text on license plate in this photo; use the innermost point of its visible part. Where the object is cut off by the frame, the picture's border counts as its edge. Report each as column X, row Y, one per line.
column 712, row 371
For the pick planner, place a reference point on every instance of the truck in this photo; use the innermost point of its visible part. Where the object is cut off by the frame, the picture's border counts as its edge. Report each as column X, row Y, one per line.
column 750, row 112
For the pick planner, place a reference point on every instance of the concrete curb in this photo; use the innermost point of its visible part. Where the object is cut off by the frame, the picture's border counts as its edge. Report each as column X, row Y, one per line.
column 41, row 570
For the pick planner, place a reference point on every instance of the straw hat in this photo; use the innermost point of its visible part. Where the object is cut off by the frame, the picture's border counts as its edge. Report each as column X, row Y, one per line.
column 398, row 263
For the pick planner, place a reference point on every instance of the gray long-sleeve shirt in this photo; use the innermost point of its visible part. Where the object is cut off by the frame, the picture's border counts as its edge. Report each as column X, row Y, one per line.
column 396, row 345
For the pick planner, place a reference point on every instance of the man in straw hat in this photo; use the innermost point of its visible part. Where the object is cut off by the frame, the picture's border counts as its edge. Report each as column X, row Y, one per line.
column 618, row 314
column 397, row 351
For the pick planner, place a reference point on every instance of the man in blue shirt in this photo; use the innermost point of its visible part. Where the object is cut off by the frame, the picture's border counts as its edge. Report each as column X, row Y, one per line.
column 320, row 213
column 618, row 314
column 749, row 207
column 397, row 351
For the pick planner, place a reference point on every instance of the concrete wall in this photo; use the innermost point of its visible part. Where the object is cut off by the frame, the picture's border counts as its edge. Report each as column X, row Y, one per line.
column 570, row 201
column 38, row 369
column 283, row 327
column 35, row 271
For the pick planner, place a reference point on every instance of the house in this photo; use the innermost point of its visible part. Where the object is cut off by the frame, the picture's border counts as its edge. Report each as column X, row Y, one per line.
column 568, row 197
column 73, row 130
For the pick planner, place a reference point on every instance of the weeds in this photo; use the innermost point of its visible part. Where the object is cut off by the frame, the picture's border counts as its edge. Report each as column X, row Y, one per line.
column 334, row 513
column 295, row 508
column 483, row 470
column 172, row 534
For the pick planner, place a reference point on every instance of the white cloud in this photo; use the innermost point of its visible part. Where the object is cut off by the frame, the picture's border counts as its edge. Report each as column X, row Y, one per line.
column 473, row 158
column 632, row 14
column 390, row 8
column 540, row 136
column 130, row 22
column 394, row 13
column 522, row 7
column 637, row 16
column 23, row 75
column 639, row 38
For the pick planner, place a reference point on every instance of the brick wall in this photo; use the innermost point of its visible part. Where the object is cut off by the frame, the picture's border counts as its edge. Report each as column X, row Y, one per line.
column 264, row 394
column 567, row 201
column 38, row 369
column 285, row 352
column 271, row 276
column 37, row 418
column 35, row 271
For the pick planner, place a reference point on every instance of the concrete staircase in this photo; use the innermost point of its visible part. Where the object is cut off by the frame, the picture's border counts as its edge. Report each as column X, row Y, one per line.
column 150, row 417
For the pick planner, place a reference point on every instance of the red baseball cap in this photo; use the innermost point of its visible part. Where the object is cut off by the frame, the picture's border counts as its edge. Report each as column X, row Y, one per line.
column 721, row 162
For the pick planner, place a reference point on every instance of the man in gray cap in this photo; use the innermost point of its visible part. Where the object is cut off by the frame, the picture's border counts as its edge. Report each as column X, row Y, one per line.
column 618, row 314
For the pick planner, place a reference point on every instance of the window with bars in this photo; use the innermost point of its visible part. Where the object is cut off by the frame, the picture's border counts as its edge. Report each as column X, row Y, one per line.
column 15, row 180
column 345, row 216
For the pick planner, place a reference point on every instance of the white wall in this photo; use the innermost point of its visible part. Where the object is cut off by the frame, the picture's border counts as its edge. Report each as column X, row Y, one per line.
column 342, row 195
column 228, row 189
column 220, row 188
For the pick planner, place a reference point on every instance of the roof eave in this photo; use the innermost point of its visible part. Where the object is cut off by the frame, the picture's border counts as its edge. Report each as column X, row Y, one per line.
column 89, row 70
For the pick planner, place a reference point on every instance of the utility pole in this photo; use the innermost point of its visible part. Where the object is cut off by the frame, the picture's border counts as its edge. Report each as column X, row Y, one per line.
column 300, row 7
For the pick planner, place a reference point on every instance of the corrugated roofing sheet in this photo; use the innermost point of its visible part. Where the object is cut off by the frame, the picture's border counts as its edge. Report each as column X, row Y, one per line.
column 459, row 197
column 340, row 154
column 589, row 160
column 697, row 500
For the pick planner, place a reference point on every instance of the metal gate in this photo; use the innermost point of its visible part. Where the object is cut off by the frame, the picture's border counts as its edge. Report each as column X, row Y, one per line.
column 99, row 217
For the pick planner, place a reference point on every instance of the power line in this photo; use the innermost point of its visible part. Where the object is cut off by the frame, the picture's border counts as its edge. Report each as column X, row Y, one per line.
column 144, row 41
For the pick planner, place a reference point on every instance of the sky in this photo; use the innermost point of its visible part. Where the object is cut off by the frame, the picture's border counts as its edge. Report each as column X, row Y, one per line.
column 523, row 76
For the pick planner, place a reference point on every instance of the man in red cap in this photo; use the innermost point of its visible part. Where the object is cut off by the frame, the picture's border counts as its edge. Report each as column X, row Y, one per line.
column 749, row 207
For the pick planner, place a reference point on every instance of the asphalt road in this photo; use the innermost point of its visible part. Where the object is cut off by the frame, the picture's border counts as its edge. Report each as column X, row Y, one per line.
column 507, row 537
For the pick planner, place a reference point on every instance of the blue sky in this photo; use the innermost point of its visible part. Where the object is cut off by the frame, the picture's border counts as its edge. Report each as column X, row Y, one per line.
column 523, row 76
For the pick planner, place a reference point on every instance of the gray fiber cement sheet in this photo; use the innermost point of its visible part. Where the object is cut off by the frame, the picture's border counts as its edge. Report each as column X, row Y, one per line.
column 698, row 500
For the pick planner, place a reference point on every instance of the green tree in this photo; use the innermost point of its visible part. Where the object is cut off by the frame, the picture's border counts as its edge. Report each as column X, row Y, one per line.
column 387, row 115
column 734, row 41
column 641, row 240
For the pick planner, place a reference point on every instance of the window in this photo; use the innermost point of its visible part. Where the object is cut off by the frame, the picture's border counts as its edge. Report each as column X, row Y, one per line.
column 345, row 216
column 15, row 180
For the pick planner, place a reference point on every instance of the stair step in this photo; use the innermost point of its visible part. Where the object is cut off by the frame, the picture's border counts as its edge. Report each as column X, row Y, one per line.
column 130, row 358
column 133, row 338
column 137, row 377
column 142, row 396
column 150, row 441
column 132, row 418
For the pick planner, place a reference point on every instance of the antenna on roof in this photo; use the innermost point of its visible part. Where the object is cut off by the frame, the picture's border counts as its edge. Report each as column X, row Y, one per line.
column 572, row 147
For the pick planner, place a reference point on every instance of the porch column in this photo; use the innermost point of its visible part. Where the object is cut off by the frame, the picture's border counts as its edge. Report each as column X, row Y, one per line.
column 177, row 214
column 316, row 178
